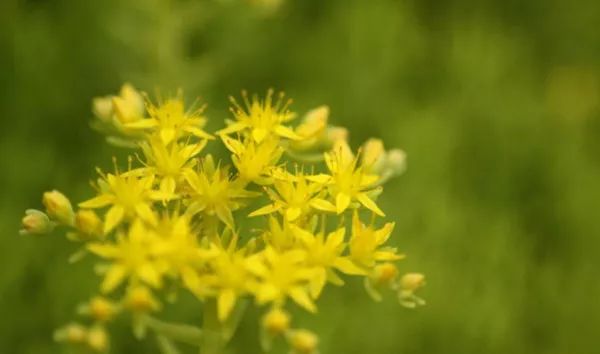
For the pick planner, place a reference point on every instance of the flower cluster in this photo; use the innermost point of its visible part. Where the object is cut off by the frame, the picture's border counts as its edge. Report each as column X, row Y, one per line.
column 172, row 221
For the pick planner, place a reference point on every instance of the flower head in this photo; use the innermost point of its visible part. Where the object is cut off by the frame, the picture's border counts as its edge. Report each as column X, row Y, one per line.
column 169, row 121
column 348, row 181
column 261, row 118
column 128, row 195
column 214, row 192
column 281, row 275
column 132, row 256
column 366, row 243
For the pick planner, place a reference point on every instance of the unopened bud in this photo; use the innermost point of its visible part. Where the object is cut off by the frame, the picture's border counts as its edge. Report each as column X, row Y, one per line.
column 36, row 222
column 88, row 223
column 410, row 283
column 384, row 274
column 129, row 105
column 276, row 321
column 97, row 339
column 103, row 108
column 73, row 333
column 336, row 134
column 303, row 341
column 396, row 161
column 101, row 309
column 314, row 122
column 58, row 207
column 373, row 155
column 140, row 299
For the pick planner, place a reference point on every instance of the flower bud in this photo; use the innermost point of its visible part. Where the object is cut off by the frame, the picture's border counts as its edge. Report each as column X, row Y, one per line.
column 336, row 134
column 303, row 341
column 101, row 309
column 396, row 161
column 97, row 339
column 139, row 299
column 129, row 105
column 103, row 108
column 88, row 223
column 36, row 222
column 384, row 274
column 58, row 207
column 314, row 122
column 73, row 333
column 276, row 321
column 410, row 283
column 373, row 155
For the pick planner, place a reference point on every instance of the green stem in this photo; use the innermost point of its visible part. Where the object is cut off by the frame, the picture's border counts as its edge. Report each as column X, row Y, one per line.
column 179, row 332
column 213, row 342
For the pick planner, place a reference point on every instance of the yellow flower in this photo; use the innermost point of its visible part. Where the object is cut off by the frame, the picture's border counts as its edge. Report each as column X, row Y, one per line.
column 279, row 236
column 179, row 249
column 213, row 192
column 169, row 162
column 254, row 161
column 261, row 119
column 365, row 243
column 170, row 122
column 231, row 276
column 128, row 195
column 293, row 197
column 281, row 275
column 132, row 256
column 347, row 181
column 325, row 255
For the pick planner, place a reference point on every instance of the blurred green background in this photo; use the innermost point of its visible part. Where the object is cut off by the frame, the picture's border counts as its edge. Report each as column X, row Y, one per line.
column 495, row 102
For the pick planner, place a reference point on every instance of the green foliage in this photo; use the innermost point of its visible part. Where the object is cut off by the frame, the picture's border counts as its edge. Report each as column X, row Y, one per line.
column 496, row 104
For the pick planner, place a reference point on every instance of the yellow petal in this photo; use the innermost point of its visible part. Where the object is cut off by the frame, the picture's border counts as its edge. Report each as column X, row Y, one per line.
column 149, row 274
column 286, row 132
column 103, row 250
column 259, row 134
column 167, row 135
column 292, row 214
column 142, row 124
column 345, row 265
column 323, row 205
column 342, row 201
column 387, row 256
column 145, row 213
column 167, row 185
column 320, row 178
column 113, row 217
column 97, row 202
column 369, row 204
column 317, row 283
column 300, row 296
column 199, row 133
column 113, row 278
column 267, row 209
column 225, row 304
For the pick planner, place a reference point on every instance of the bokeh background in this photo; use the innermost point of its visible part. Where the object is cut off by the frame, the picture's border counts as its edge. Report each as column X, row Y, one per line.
column 496, row 103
